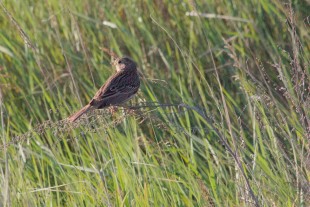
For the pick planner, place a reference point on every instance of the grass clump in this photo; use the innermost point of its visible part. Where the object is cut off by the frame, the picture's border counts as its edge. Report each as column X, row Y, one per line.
column 222, row 117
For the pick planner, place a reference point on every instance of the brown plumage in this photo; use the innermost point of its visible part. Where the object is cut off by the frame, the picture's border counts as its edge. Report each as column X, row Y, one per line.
column 120, row 87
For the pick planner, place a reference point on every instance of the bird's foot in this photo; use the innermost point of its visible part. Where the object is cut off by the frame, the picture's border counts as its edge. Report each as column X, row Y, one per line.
column 130, row 111
column 113, row 109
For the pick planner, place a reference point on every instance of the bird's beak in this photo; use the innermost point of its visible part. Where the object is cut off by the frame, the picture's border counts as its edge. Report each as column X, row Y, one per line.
column 114, row 61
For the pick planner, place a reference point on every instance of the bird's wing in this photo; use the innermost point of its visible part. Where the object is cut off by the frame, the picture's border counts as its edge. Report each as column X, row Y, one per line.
column 114, row 86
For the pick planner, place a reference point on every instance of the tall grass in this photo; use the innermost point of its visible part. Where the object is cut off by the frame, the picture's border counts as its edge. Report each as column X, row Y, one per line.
column 221, row 119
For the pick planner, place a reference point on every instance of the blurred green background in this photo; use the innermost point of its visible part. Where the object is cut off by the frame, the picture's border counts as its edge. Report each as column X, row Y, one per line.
column 235, row 75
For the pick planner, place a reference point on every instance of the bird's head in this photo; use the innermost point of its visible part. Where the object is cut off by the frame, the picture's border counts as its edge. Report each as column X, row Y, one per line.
column 124, row 63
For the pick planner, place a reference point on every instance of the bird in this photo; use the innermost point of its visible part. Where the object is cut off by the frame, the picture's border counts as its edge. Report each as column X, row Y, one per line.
column 119, row 88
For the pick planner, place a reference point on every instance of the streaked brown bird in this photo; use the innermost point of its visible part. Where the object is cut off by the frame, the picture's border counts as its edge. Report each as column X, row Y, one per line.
column 120, row 87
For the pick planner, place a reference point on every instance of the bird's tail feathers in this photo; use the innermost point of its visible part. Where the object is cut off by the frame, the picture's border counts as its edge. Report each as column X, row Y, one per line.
column 78, row 114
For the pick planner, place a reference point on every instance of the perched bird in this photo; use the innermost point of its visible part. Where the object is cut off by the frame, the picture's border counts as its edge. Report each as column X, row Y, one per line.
column 120, row 87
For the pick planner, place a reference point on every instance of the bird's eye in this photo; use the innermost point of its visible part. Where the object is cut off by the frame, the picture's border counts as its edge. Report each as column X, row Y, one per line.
column 119, row 62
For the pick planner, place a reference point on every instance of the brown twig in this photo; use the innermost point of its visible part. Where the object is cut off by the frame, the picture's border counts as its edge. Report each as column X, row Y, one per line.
column 110, row 52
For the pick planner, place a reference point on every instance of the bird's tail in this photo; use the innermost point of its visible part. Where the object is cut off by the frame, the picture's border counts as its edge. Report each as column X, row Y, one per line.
column 77, row 115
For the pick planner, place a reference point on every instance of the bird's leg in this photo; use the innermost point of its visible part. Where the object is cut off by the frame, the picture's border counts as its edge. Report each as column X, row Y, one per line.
column 128, row 110
column 113, row 109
